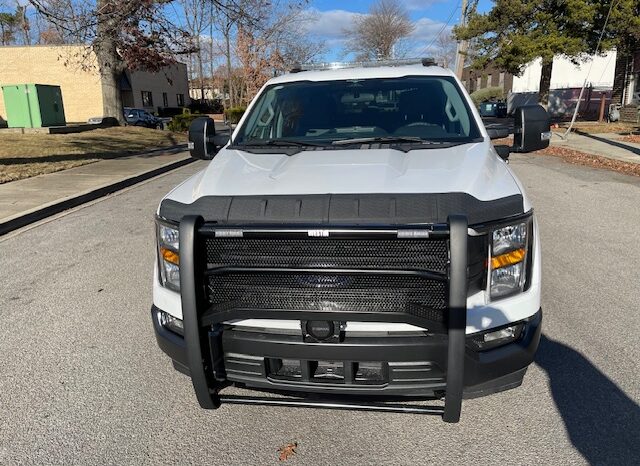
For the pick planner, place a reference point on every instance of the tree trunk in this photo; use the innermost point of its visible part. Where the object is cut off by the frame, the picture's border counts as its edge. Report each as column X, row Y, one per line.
column 109, row 65
column 228, row 54
column 545, row 82
column 111, row 98
column 620, row 77
column 200, row 69
column 24, row 24
column 211, row 52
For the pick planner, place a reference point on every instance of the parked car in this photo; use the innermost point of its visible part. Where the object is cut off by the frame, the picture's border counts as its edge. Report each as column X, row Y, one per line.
column 494, row 108
column 358, row 235
column 140, row 117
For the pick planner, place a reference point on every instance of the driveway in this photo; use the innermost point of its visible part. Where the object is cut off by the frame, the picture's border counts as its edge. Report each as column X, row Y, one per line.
column 83, row 382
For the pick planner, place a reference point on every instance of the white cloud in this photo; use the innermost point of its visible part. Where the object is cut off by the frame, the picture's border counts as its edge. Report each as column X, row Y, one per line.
column 330, row 27
column 330, row 24
column 427, row 30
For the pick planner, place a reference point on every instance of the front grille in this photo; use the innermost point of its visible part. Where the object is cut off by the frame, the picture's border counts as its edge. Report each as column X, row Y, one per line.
column 329, row 292
column 397, row 254
column 301, row 288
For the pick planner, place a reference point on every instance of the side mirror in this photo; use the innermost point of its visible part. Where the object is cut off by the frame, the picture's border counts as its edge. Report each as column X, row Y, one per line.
column 532, row 129
column 498, row 132
column 202, row 132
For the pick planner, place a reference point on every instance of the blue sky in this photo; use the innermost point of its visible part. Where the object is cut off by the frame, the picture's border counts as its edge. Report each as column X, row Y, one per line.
column 431, row 17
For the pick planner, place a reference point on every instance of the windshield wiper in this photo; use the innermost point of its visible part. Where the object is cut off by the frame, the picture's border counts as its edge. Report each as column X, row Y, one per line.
column 281, row 142
column 383, row 139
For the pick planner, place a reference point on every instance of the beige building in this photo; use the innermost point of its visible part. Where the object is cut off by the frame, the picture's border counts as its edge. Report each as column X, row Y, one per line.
column 72, row 67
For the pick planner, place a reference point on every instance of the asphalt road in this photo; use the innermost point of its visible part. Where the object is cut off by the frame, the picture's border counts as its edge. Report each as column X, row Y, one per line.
column 83, row 382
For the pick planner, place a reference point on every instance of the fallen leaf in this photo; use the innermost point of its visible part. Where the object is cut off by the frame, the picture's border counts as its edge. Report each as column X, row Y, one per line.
column 287, row 451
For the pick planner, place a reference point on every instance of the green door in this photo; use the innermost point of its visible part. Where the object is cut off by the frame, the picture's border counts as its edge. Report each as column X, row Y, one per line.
column 21, row 105
column 50, row 104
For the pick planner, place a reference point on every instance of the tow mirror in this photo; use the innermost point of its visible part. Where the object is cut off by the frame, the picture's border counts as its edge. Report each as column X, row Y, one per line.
column 498, row 132
column 532, row 129
column 203, row 142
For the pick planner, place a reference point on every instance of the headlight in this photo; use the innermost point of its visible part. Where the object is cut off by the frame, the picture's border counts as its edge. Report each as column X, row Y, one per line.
column 168, row 255
column 169, row 236
column 509, row 248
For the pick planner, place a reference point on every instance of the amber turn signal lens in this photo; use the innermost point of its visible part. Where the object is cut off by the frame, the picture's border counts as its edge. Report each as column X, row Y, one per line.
column 170, row 256
column 509, row 258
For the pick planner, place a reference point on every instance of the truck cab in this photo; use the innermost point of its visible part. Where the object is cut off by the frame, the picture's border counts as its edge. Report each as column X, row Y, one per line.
column 356, row 240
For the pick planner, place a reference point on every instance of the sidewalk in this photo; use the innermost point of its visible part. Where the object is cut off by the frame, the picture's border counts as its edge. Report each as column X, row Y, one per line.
column 27, row 201
column 605, row 145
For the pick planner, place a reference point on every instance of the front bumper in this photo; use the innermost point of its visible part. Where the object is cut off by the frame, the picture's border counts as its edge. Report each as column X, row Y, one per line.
column 438, row 363
column 414, row 366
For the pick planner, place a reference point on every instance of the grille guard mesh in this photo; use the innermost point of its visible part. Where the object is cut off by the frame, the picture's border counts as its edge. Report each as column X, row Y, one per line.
column 430, row 254
column 283, row 275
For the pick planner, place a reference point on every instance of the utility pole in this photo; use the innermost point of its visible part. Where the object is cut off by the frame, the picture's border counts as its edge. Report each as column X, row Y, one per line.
column 463, row 45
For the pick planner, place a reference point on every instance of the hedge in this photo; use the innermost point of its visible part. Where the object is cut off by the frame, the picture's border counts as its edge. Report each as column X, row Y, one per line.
column 488, row 93
column 234, row 114
column 180, row 123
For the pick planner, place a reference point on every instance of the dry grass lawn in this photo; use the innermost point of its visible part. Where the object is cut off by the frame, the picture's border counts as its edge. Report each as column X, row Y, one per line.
column 594, row 127
column 26, row 155
column 633, row 138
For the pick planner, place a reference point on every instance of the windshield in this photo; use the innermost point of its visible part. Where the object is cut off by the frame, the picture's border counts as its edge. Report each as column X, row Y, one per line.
column 408, row 110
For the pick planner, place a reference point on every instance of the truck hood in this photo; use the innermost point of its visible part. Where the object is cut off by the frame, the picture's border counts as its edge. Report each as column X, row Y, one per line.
column 473, row 168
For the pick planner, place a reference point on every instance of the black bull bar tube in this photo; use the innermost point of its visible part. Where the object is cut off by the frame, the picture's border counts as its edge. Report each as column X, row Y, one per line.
column 204, row 360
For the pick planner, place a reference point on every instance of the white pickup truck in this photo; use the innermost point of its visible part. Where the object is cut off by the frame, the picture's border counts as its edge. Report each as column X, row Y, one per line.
column 358, row 241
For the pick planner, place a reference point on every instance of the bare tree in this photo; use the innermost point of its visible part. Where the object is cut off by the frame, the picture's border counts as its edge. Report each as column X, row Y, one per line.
column 445, row 50
column 224, row 21
column 120, row 34
column 23, row 23
column 273, row 44
column 376, row 34
column 66, row 21
column 197, row 19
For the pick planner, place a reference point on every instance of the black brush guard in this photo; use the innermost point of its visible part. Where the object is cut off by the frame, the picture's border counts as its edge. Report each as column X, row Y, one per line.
column 205, row 359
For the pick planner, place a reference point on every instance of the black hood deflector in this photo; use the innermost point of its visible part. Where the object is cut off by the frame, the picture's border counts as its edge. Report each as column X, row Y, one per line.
column 343, row 209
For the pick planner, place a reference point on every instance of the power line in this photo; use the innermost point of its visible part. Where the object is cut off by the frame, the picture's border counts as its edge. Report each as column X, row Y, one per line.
column 453, row 12
column 575, row 112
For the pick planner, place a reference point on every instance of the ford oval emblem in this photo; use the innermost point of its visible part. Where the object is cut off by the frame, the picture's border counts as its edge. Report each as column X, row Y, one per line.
column 324, row 281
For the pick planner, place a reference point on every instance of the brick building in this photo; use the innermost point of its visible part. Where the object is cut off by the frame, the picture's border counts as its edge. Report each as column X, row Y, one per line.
column 72, row 67
column 490, row 76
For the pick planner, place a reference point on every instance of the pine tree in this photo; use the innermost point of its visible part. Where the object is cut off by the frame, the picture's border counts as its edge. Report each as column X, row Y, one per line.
column 515, row 32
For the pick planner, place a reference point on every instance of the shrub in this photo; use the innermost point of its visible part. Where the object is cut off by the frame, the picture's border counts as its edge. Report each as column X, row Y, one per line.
column 488, row 93
column 180, row 123
column 169, row 112
column 207, row 106
column 234, row 114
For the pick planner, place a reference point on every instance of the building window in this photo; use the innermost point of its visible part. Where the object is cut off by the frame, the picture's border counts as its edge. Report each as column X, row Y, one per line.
column 479, row 82
column 180, row 98
column 501, row 83
column 489, row 80
column 147, row 99
column 165, row 99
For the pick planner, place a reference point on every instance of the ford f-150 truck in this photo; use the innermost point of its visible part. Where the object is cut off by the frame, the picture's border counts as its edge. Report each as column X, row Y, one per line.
column 358, row 241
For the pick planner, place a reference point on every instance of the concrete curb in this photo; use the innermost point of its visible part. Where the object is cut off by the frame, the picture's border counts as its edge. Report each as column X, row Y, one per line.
column 46, row 210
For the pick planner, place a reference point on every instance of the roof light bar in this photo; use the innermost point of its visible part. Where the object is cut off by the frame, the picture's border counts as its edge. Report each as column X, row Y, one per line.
column 297, row 68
